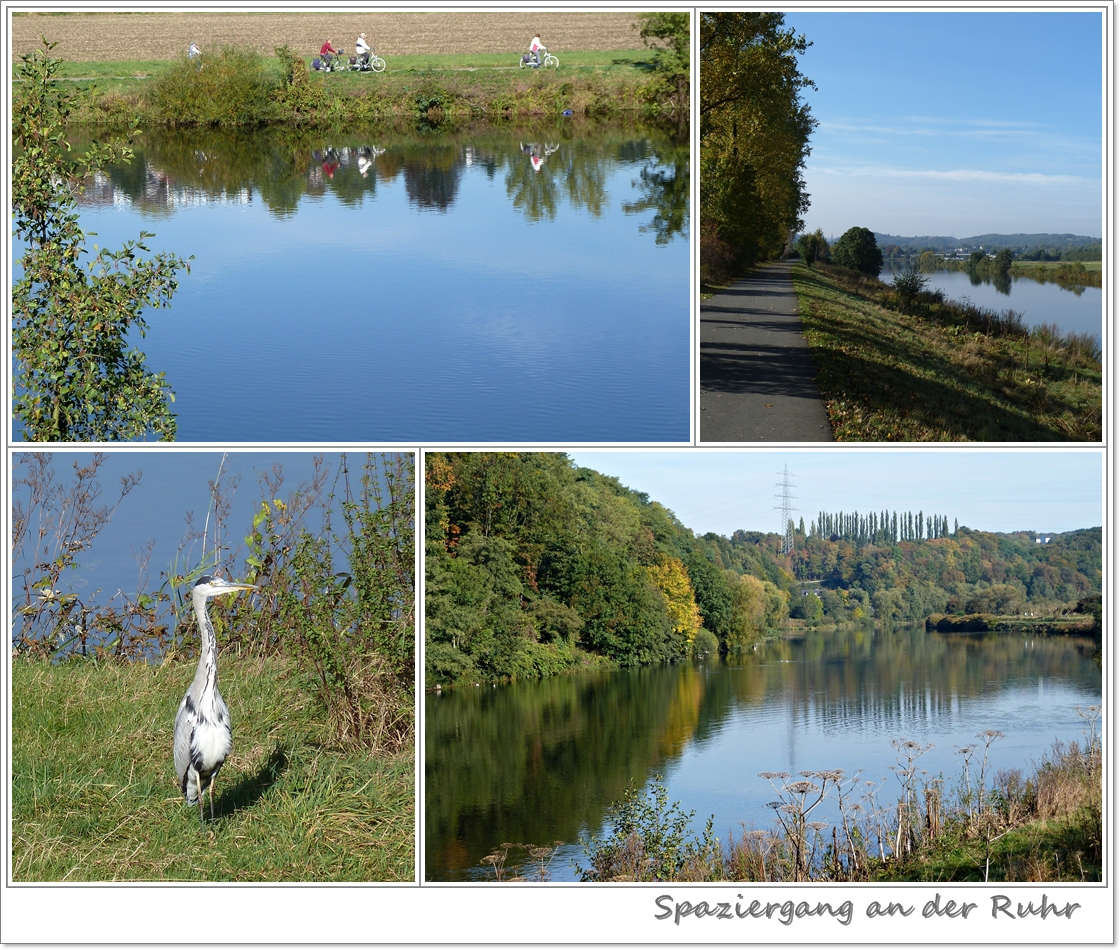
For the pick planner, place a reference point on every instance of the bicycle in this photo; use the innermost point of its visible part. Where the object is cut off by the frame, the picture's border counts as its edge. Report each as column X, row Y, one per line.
column 375, row 64
column 547, row 59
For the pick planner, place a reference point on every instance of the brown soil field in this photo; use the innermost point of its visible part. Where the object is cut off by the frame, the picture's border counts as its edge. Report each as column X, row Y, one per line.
column 87, row 37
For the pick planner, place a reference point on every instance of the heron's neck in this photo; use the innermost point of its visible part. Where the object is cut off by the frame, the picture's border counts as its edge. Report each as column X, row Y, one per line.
column 206, row 676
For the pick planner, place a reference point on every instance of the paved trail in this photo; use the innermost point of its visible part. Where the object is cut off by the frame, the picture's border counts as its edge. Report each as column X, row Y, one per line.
column 757, row 378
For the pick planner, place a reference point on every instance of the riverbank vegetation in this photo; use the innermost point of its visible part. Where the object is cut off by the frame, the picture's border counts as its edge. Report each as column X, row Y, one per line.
column 1007, row 826
column 77, row 378
column 238, row 88
column 535, row 566
column 317, row 666
column 1072, row 272
column 754, row 140
column 898, row 363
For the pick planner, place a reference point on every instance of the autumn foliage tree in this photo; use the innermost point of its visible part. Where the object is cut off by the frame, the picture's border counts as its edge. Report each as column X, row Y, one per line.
column 754, row 138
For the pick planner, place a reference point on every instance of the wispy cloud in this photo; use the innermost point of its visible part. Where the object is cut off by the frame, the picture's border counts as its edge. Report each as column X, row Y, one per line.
column 1019, row 133
column 955, row 174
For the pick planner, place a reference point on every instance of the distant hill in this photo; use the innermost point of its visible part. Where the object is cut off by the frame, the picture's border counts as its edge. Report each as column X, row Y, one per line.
column 987, row 241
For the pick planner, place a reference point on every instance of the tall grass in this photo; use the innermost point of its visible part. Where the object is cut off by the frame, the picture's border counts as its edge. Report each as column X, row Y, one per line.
column 1002, row 826
column 903, row 364
column 94, row 796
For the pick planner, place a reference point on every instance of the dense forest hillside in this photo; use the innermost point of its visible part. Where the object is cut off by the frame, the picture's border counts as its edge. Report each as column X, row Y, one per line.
column 941, row 243
column 535, row 565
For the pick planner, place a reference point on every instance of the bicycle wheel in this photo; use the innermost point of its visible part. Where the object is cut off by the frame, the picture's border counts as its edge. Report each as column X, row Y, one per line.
column 377, row 64
column 551, row 60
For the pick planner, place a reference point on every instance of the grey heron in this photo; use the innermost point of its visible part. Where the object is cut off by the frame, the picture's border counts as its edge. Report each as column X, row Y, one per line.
column 203, row 735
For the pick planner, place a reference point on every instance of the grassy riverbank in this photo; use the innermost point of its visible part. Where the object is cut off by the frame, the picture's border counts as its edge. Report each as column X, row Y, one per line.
column 932, row 370
column 1072, row 274
column 264, row 90
column 94, row 795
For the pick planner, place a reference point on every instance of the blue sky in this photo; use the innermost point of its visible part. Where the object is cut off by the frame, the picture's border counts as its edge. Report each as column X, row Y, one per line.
column 954, row 123
column 723, row 491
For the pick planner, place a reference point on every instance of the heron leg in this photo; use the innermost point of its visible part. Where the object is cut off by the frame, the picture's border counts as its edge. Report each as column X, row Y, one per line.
column 198, row 788
column 212, row 779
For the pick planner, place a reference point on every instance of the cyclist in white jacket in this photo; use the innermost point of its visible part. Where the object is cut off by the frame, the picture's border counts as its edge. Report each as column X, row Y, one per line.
column 362, row 49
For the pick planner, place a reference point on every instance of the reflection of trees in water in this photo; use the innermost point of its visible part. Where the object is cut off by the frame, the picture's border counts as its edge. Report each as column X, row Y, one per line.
column 541, row 761
column 280, row 167
column 664, row 190
column 431, row 177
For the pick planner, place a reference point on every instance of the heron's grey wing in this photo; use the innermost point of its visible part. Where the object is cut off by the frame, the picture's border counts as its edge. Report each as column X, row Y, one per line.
column 184, row 729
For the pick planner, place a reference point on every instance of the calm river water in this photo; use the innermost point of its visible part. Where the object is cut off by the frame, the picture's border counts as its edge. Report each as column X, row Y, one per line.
column 541, row 761
column 482, row 284
column 1079, row 311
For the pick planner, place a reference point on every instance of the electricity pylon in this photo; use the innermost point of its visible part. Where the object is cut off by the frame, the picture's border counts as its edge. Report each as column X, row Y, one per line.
column 787, row 510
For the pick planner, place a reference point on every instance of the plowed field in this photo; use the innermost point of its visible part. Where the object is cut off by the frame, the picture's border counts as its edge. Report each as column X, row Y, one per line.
column 86, row 37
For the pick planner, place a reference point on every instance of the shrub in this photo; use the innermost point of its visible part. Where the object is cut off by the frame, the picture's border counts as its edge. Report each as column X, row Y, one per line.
column 76, row 380
column 647, row 842
column 232, row 90
column 908, row 286
column 705, row 643
column 719, row 262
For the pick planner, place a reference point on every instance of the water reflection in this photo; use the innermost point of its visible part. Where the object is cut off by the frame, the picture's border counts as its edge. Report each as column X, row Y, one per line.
column 172, row 170
column 538, row 762
column 450, row 237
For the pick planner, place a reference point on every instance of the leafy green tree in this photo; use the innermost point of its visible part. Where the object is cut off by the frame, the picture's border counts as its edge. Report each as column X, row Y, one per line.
column 813, row 247
column 1004, row 257
column 857, row 250
column 713, row 594
column 76, row 380
column 672, row 60
column 750, row 612
column 754, row 135
column 807, row 607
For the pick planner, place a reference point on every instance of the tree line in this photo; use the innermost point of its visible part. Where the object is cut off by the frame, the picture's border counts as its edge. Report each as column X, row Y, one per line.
column 754, row 140
column 879, row 526
column 535, row 566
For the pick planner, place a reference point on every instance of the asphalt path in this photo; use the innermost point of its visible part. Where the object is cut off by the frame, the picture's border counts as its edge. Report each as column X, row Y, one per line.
column 757, row 377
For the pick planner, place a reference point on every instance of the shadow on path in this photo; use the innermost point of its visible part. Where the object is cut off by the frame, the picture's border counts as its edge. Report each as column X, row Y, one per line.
column 757, row 376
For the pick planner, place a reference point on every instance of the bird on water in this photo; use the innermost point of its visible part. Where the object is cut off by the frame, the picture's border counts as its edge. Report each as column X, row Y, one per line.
column 203, row 735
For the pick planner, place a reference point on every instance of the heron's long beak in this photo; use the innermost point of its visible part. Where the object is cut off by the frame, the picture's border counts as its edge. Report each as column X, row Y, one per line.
column 231, row 587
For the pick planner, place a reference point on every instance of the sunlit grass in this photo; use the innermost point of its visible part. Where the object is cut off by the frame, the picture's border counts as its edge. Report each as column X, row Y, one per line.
column 94, row 796
column 888, row 377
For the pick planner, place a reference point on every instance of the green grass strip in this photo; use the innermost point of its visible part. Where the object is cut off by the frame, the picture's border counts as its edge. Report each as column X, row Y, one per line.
column 94, row 796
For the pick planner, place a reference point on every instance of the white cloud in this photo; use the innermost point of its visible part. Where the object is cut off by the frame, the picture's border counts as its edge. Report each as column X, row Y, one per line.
column 955, row 174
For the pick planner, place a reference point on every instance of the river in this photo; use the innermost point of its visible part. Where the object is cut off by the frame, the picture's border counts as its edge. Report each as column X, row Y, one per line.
column 1077, row 310
column 539, row 762
column 489, row 283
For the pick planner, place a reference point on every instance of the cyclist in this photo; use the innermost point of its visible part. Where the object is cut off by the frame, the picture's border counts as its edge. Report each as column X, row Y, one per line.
column 535, row 47
column 326, row 51
column 362, row 49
